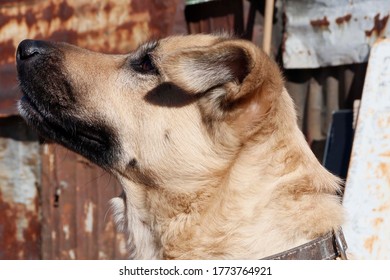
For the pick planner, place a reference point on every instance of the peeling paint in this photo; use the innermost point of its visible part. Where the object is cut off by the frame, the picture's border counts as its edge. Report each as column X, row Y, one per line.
column 102, row 255
column 21, row 225
column 88, row 223
column 16, row 155
column 72, row 255
column 66, row 231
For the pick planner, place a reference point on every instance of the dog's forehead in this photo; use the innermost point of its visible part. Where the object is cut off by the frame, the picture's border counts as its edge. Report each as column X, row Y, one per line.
column 175, row 43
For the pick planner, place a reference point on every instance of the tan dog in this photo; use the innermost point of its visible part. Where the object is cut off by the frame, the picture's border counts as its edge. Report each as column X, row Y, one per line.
column 202, row 135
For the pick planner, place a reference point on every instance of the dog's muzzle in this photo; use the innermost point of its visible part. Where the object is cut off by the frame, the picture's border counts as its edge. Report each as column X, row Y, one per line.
column 50, row 103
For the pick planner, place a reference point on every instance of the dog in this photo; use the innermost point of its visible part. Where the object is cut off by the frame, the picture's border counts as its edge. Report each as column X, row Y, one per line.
column 202, row 135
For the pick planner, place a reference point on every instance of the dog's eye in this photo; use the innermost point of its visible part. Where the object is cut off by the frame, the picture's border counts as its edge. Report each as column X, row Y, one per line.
column 145, row 65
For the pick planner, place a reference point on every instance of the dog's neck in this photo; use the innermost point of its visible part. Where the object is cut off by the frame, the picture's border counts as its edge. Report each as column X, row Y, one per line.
column 265, row 195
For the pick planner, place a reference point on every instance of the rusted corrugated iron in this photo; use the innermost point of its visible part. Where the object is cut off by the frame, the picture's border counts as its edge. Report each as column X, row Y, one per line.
column 19, row 193
column 367, row 192
column 208, row 16
column 75, row 213
column 329, row 33
column 54, row 203
column 109, row 26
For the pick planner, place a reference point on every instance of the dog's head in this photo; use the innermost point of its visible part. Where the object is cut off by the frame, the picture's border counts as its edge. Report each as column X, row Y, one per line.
column 173, row 109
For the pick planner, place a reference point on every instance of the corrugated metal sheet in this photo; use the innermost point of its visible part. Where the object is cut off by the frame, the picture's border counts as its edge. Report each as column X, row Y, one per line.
column 215, row 16
column 322, row 33
column 367, row 193
column 20, row 229
column 109, row 26
column 76, row 223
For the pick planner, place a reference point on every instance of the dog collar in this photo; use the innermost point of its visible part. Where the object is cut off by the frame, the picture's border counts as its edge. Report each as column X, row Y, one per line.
column 328, row 247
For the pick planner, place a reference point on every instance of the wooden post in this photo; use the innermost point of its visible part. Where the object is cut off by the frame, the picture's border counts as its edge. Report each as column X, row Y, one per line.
column 268, row 18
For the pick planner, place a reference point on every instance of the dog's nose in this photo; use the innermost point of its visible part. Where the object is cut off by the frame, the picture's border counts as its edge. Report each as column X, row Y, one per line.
column 31, row 48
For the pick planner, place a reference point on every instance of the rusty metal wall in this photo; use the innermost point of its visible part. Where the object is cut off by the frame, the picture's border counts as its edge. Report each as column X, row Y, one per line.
column 367, row 191
column 322, row 33
column 109, row 26
column 76, row 223
column 19, row 191
column 53, row 203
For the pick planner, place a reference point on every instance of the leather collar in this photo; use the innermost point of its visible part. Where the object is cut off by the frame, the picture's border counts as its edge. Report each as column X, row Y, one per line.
column 331, row 246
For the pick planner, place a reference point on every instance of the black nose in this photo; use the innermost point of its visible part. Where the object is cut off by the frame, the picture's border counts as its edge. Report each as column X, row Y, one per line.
column 31, row 48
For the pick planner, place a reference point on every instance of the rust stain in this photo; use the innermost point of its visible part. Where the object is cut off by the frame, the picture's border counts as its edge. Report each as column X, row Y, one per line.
column 385, row 154
column 343, row 19
column 7, row 232
column 382, row 208
column 384, row 122
column 65, row 12
column 7, row 49
column 378, row 221
column 385, row 170
column 108, row 7
column 369, row 243
column 320, row 23
column 19, row 231
column 379, row 26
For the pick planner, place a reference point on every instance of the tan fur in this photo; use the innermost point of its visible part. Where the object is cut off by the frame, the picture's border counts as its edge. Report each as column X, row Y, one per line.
column 225, row 173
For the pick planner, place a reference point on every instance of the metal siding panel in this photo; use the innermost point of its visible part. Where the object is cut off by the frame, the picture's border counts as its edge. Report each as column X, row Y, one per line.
column 75, row 212
column 367, row 193
column 322, row 33
column 19, row 192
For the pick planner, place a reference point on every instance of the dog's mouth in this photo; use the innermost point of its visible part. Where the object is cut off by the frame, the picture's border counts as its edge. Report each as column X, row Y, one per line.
column 94, row 141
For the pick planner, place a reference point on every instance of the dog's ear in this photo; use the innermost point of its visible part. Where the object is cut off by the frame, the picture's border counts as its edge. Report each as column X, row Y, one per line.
column 198, row 70
column 240, row 81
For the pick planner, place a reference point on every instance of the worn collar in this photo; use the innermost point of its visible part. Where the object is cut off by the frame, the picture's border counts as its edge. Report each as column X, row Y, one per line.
column 331, row 246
